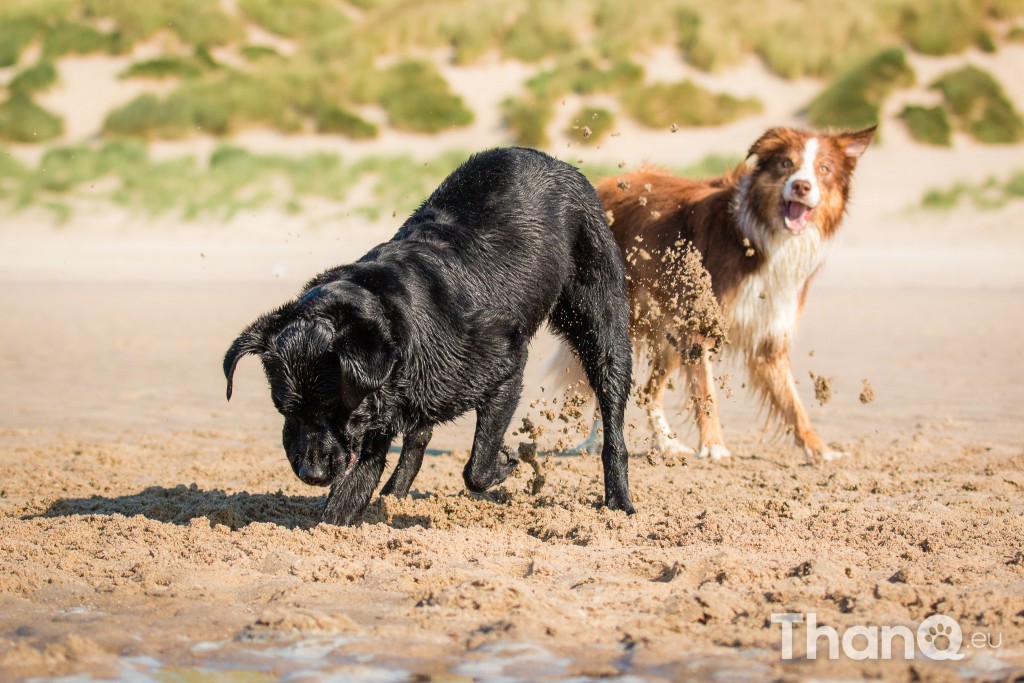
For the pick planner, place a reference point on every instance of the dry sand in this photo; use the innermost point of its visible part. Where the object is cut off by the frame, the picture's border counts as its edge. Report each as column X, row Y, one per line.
column 151, row 531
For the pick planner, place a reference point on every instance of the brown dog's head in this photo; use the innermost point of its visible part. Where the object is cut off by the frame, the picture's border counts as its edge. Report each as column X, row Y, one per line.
column 800, row 179
column 323, row 354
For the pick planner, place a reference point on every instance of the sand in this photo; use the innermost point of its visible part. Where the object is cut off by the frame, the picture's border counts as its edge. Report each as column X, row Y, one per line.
column 151, row 531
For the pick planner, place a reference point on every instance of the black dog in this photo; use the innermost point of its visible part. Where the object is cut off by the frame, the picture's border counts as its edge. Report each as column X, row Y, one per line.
column 437, row 322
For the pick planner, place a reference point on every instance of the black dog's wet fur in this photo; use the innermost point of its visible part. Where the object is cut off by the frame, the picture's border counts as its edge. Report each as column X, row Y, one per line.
column 437, row 322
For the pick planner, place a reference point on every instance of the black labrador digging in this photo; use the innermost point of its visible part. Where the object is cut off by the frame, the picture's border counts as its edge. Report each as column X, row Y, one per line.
column 437, row 322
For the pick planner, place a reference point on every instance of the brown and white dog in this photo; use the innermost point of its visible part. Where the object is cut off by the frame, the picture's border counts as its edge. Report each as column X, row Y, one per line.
column 763, row 231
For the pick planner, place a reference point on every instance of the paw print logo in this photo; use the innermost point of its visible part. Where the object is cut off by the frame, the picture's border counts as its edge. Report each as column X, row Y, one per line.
column 940, row 637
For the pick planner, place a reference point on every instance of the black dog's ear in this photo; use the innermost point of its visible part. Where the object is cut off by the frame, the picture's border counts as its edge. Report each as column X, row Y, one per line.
column 362, row 338
column 367, row 359
column 253, row 339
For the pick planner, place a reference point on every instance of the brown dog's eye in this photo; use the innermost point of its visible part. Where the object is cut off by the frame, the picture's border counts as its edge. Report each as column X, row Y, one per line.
column 823, row 169
column 786, row 163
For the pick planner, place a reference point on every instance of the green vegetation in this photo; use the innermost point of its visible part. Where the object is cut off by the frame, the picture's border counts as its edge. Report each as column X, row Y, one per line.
column 685, row 104
column 944, row 27
column 991, row 194
column 590, row 125
column 527, row 118
column 296, row 18
column 166, row 67
column 66, row 38
column 22, row 120
column 344, row 55
column 540, row 31
column 979, row 106
column 37, row 78
column 417, row 98
column 233, row 180
column 928, row 125
column 855, row 98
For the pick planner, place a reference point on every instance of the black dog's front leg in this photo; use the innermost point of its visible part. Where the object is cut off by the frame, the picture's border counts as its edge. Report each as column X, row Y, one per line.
column 351, row 491
column 409, row 462
column 491, row 462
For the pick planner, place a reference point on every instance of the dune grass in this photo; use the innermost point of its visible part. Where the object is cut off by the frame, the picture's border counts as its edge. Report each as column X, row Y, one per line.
column 382, row 52
column 527, row 119
column 993, row 193
column 233, row 179
column 928, row 125
column 979, row 106
column 36, row 78
column 685, row 104
column 944, row 27
column 22, row 120
column 854, row 99
column 590, row 125
column 295, row 18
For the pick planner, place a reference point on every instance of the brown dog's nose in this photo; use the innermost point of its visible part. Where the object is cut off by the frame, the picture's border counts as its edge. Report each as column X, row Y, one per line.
column 801, row 188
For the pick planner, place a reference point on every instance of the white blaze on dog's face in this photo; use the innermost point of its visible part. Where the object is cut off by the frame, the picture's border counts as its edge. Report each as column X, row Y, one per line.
column 801, row 191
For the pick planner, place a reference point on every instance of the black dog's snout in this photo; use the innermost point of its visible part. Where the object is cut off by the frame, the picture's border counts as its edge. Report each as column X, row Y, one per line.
column 314, row 474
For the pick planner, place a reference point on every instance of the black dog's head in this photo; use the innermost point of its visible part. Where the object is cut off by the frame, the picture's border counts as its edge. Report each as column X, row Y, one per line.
column 324, row 354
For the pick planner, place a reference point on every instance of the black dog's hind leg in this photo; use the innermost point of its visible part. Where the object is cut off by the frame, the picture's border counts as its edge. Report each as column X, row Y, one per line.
column 491, row 462
column 593, row 318
column 350, row 493
column 409, row 462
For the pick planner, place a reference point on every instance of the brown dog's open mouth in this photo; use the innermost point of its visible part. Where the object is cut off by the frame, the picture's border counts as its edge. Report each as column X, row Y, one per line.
column 797, row 216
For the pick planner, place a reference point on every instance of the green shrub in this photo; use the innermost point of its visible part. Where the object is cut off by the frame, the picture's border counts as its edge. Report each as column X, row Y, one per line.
column 943, row 27
column 37, row 78
column 295, row 18
column 10, row 167
column 66, row 38
column 685, row 104
column 979, row 106
column 527, row 119
column 148, row 117
column 254, row 53
column 929, row 125
column 854, row 99
column 590, row 125
column 196, row 22
column 334, row 119
column 62, row 168
column 164, row 67
column 15, row 34
column 1015, row 35
column 584, row 76
column 1014, row 187
column 22, row 120
column 536, row 35
column 625, row 28
column 416, row 98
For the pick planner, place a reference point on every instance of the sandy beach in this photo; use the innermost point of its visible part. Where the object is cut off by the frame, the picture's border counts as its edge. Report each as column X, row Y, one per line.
column 151, row 531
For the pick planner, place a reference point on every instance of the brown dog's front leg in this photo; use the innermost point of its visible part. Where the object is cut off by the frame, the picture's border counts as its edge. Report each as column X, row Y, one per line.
column 351, row 490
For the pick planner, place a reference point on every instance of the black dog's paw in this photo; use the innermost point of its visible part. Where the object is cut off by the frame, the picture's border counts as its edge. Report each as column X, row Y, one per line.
column 615, row 502
column 479, row 479
column 507, row 464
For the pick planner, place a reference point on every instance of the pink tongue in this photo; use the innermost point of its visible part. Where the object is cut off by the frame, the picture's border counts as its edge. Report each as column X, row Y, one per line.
column 797, row 214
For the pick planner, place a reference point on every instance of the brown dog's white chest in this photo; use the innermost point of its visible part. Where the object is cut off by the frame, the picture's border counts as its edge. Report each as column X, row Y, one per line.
column 764, row 312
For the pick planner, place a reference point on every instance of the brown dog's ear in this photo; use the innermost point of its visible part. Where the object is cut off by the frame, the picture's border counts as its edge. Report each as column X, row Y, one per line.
column 253, row 339
column 757, row 150
column 854, row 144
